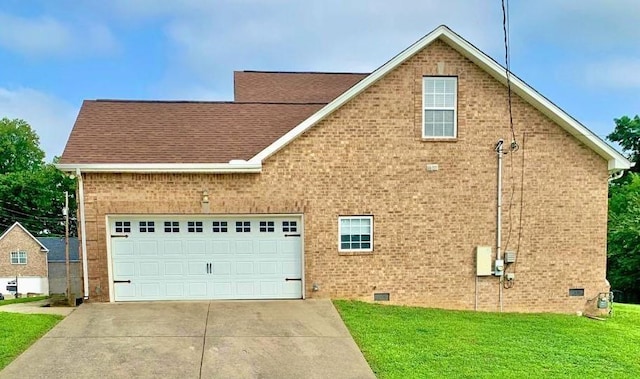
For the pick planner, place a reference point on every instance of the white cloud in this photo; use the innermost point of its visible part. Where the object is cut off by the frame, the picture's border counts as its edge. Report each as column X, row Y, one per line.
column 616, row 73
column 50, row 117
column 46, row 36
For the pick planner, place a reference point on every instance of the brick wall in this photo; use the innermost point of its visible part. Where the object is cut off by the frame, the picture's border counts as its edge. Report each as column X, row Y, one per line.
column 18, row 240
column 369, row 158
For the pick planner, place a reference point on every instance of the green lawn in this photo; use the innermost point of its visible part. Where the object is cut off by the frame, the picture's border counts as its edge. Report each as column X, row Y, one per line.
column 18, row 331
column 22, row 300
column 407, row 342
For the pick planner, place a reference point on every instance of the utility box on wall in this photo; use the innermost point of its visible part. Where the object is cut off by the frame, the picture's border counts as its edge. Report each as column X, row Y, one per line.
column 483, row 261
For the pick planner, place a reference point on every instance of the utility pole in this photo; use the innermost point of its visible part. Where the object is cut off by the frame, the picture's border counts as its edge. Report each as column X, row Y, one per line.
column 66, row 244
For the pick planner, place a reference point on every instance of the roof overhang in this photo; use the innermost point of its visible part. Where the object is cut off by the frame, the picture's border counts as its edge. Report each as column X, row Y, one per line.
column 150, row 168
column 616, row 161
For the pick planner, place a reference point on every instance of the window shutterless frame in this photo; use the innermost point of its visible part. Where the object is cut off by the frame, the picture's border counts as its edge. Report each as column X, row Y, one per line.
column 355, row 234
column 18, row 257
column 439, row 107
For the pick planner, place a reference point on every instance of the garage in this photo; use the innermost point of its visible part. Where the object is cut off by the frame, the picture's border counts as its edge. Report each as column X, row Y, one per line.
column 194, row 258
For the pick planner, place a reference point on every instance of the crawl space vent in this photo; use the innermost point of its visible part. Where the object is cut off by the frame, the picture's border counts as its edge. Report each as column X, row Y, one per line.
column 576, row 291
column 381, row 296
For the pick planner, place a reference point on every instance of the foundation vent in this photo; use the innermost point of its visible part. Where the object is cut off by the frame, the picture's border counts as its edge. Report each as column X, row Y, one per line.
column 381, row 296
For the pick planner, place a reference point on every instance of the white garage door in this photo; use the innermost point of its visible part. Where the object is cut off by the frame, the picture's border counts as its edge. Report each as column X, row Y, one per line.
column 178, row 258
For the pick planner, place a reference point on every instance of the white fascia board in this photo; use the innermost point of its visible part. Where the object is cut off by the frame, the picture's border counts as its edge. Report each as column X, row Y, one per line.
column 212, row 168
column 42, row 247
column 616, row 160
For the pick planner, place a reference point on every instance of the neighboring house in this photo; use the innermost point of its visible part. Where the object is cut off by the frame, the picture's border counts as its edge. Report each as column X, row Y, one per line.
column 359, row 186
column 56, row 259
column 24, row 258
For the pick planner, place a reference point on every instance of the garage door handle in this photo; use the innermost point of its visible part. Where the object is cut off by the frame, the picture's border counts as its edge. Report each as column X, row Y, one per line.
column 119, row 236
column 296, row 279
column 292, row 235
column 122, row 281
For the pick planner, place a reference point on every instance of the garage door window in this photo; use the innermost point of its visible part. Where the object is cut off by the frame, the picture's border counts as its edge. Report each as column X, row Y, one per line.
column 123, row 226
column 243, row 226
column 289, row 226
column 356, row 233
column 194, row 226
column 172, row 227
column 267, row 226
column 220, row 227
column 147, row 226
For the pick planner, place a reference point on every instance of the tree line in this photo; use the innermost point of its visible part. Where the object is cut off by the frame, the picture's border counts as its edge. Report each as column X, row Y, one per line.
column 32, row 192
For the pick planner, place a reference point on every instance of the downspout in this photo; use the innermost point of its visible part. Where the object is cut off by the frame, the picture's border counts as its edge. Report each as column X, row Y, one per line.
column 500, row 272
column 85, row 265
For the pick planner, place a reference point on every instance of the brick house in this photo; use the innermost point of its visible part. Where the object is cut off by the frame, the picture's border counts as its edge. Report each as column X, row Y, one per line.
column 364, row 186
column 24, row 258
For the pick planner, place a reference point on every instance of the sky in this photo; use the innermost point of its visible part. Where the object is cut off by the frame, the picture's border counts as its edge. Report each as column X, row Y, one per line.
column 584, row 55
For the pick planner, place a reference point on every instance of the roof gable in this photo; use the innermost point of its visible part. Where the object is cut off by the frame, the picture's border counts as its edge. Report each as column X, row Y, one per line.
column 19, row 226
column 616, row 160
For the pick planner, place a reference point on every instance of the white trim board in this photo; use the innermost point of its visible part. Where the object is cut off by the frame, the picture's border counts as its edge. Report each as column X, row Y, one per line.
column 616, row 160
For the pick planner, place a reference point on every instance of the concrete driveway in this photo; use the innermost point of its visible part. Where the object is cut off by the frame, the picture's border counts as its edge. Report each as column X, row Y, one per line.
column 252, row 339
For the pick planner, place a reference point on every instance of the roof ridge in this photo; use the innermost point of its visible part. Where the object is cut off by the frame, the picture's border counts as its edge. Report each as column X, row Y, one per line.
column 306, row 72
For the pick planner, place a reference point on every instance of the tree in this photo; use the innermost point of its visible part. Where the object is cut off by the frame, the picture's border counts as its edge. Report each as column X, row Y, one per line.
column 19, row 147
column 31, row 192
column 627, row 134
column 623, row 252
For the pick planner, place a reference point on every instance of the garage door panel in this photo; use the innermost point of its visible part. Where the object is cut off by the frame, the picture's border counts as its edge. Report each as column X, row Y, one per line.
column 291, row 269
column 173, row 268
column 220, row 247
column 172, row 247
column 268, row 268
column 122, row 247
column 124, row 269
column 250, row 261
column 150, row 290
column 197, row 289
column 244, row 268
column 149, row 269
column 147, row 248
column 221, row 268
column 267, row 247
column 244, row 247
column 196, row 247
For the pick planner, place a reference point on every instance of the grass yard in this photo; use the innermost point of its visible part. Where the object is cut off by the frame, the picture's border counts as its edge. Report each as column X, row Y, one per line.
column 22, row 300
column 18, row 331
column 407, row 342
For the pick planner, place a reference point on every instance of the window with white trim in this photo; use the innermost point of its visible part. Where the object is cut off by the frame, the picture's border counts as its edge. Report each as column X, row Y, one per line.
column 18, row 257
column 356, row 233
column 439, row 102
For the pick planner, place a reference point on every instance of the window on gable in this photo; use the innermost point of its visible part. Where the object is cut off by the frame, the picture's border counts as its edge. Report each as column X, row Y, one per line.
column 18, row 257
column 440, row 107
column 356, row 233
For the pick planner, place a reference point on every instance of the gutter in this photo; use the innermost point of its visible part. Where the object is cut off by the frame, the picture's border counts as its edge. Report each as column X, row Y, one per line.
column 85, row 264
column 234, row 166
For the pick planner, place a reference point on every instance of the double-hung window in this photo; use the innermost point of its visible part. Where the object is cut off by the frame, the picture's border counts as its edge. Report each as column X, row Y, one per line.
column 439, row 107
column 18, row 257
column 356, row 233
